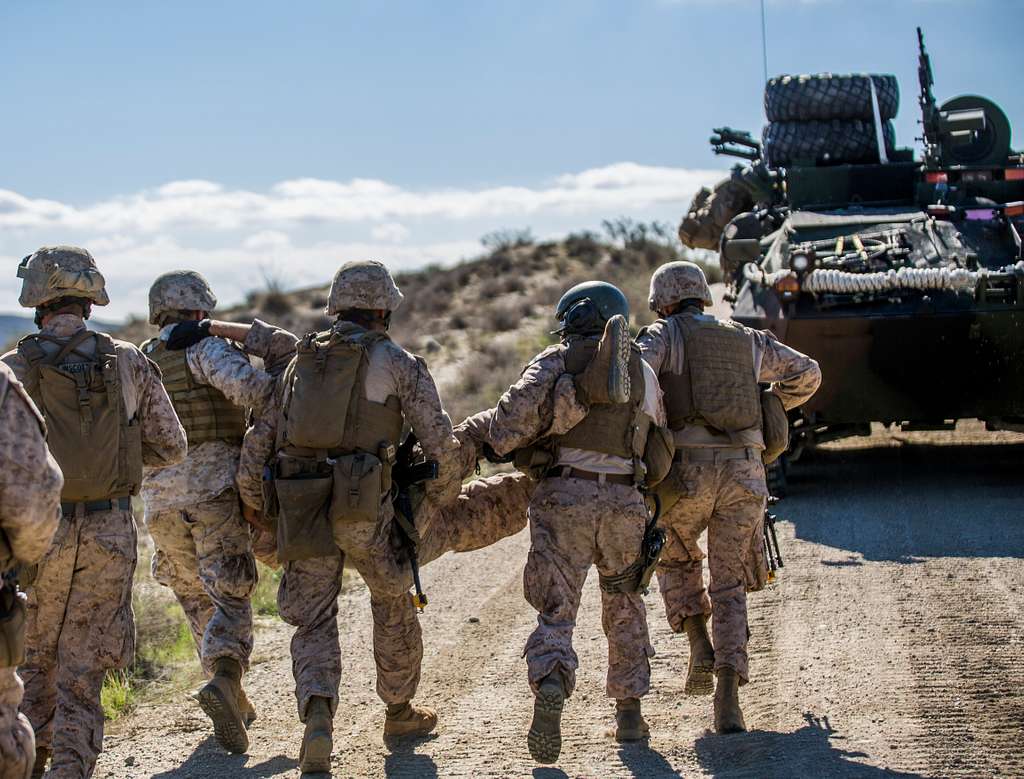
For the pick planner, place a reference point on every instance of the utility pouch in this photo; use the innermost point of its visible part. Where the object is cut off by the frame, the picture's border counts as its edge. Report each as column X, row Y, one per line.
column 271, row 508
column 357, row 488
column 774, row 425
column 534, row 460
column 303, row 526
column 12, row 627
column 658, row 454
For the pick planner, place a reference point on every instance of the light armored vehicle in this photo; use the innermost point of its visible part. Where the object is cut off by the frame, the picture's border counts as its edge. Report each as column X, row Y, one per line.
column 904, row 278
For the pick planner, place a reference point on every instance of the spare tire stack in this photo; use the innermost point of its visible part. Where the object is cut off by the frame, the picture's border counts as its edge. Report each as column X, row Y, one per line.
column 827, row 118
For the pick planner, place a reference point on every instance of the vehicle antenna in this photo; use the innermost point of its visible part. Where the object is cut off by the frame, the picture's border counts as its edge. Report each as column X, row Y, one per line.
column 764, row 39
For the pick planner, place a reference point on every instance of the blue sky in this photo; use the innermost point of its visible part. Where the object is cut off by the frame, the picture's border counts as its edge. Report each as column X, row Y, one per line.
column 235, row 136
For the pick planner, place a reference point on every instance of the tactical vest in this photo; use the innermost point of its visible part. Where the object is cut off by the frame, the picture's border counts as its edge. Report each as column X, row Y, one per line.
column 204, row 411
column 717, row 387
column 618, row 429
column 76, row 383
column 325, row 412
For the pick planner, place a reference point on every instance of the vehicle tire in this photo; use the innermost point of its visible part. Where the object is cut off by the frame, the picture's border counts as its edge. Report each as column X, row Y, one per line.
column 827, row 96
column 835, row 141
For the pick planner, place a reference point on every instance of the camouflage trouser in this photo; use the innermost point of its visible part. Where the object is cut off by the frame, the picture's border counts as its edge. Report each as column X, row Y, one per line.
column 486, row 511
column 575, row 524
column 17, row 744
column 203, row 553
column 726, row 498
column 80, row 625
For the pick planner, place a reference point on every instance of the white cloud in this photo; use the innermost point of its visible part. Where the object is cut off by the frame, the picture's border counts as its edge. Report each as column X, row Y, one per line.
column 624, row 186
column 267, row 239
column 390, row 232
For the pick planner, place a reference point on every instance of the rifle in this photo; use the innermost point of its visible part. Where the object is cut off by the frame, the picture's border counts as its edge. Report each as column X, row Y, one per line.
column 404, row 474
column 772, row 552
column 735, row 143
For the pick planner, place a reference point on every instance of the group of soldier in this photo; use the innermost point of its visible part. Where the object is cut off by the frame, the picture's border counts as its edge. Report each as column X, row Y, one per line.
column 293, row 462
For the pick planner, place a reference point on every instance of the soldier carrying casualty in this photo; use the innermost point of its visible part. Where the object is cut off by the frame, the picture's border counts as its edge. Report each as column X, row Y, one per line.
column 588, row 450
column 108, row 415
column 203, row 549
column 30, row 485
column 710, row 371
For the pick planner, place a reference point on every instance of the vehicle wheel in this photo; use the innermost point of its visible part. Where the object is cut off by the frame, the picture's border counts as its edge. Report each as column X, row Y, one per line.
column 847, row 141
column 827, row 96
column 775, row 474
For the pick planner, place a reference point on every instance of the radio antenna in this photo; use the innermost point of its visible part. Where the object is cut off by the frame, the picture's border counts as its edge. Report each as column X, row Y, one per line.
column 764, row 39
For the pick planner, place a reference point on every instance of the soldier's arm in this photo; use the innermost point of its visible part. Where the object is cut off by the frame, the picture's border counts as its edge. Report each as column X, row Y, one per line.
column 795, row 376
column 653, row 343
column 218, row 363
column 16, row 363
column 525, row 412
column 421, row 405
column 257, row 448
column 274, row 345
column 30, row 479
column 163, row 437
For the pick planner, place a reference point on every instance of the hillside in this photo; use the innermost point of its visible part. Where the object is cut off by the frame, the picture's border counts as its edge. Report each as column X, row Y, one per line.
column 477, row 322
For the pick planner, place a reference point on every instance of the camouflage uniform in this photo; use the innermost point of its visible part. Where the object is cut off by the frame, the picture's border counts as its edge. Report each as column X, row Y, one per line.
column 203, row 549
column 575, row 524
column 720, row 477
column 710, row 211
column 80, row 621
column 30, row 484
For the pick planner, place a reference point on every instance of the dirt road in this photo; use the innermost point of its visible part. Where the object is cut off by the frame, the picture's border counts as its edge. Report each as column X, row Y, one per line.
column 893, row 646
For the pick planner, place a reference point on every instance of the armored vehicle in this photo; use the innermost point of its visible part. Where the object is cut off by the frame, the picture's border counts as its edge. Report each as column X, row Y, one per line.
column 904, row 278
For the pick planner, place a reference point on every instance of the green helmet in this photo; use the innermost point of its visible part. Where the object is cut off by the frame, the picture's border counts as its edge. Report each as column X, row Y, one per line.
column 585, row 308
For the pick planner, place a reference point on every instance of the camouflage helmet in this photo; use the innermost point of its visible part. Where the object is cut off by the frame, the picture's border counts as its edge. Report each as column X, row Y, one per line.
column 54, row 272
column 675, row 281
column 363, row 284
column 180, row 290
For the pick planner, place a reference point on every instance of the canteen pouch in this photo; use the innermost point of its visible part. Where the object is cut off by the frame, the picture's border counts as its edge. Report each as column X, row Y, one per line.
column 774, row 425
column 12, row 628
column 658, row 454
column 356, row 496
column 303, row 525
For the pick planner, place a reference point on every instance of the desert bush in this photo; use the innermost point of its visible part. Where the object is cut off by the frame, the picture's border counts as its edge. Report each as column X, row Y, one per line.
column 505, row 239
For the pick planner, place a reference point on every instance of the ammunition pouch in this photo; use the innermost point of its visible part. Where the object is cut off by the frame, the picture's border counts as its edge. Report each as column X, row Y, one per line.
column 534, row 460
column 357, row 490
column 12, row 627
column 774, row 426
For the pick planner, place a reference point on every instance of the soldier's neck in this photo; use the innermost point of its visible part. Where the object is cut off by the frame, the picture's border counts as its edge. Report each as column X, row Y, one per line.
column 62, row 324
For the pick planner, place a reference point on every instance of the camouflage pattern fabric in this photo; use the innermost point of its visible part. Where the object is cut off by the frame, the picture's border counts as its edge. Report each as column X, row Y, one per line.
column 727, row 499
column 203, row 553
column 180, row 290
column 80, row 622
column 364, row 284
column 30, row 485
column 576, row 524
column 60, row 271
column 711, row 211
column 679, row 280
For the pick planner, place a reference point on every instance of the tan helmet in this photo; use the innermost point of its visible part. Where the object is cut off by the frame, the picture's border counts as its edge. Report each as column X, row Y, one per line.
column 363, row 284
column 54, row 272
column 180, row 290
column 675, row 281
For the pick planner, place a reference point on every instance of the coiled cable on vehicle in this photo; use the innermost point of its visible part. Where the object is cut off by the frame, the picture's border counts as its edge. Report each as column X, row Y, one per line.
column 844, row 283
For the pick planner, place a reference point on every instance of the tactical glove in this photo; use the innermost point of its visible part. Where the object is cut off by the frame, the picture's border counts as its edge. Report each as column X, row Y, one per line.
column 186, row 334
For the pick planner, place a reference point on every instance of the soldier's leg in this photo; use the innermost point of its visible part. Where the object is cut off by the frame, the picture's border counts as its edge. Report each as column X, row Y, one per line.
column 175, row 565
column 308, row 600
column 227, row 570
column 46, row 612
column 736, row 520
column 17, row 744
column 561, row 552
column 98, row 635
column 622, row 517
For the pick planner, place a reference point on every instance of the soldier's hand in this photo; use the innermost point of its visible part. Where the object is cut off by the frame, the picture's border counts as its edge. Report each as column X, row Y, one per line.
column 186, row 334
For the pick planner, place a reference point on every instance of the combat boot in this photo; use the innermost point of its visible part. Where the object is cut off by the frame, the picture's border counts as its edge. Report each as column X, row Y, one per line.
column 606, row 377
column 248, row 710
column 221, row 698
column 700, row 673
column 317, row 741
column 630, row 724
column 728, row 716
column 545, row 736
column 42, row 757
column 405, row 719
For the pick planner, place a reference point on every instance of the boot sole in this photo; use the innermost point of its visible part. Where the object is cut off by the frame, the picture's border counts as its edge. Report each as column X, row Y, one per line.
column 228, row 728
column 700, row 680
column 618, row 375
column 315, row 757
column 545, row 736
